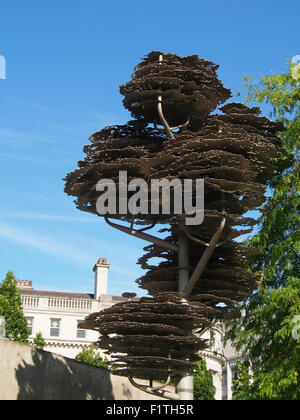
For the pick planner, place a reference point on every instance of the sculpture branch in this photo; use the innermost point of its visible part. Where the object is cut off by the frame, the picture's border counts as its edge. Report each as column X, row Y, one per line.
column 205, row 258
column 154, row 391
column 181, row 125
column 141, row 235
column 147, row 228
column 193, row 238
column 159, row 387
column 160, row 111
column 163, row 120
column 230, row 236
column 172, row 128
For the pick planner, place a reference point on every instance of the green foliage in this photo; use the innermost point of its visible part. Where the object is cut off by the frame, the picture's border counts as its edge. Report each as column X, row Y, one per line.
column 279, row 238
column 269, row 342
column 241, row 389
column 266, row 335
column 203, row 382
column 11, row 310
column 91, row 356
column 39, row 341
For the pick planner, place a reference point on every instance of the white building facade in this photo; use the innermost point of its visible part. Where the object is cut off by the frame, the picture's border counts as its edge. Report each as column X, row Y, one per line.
column 56, row 316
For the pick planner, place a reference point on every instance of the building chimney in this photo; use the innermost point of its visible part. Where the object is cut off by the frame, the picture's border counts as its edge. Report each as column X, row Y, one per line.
column 24, row 284
column 101, row 277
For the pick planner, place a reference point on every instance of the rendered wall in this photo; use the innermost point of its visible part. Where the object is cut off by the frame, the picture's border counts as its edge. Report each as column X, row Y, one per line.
column 30, row 374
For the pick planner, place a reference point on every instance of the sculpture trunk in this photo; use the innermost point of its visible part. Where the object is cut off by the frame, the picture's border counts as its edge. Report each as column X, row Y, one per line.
column 185, row 387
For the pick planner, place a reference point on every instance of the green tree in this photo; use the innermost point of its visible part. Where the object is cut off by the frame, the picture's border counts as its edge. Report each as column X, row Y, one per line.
column 266, row 335
column 39, row 341
column 11, row 309
column 203, row 382
column 91, row 356
column 241, row 383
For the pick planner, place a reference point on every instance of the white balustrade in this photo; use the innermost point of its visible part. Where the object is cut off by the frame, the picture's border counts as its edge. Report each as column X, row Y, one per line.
column 59, row 304
column 73, row 305
column 30, row 301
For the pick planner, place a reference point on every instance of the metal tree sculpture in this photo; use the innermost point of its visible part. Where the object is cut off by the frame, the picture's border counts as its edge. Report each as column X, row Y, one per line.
column 204, row 274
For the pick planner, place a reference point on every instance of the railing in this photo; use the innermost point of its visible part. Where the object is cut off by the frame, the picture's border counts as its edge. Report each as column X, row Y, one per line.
column 30, row 301
column 57, row 304
column 73, row 305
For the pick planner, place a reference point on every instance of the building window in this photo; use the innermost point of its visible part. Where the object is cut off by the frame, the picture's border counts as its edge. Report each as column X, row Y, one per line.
column 30, row 325
column 80, row 332
column 54, row 327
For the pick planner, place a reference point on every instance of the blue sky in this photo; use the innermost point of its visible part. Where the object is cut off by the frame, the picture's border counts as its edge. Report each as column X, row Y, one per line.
column 65, row 62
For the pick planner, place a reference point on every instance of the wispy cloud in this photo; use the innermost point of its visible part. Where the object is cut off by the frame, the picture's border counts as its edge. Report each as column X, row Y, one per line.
column 93, row 122
column 37, row 160
column 45, row 244
column 120, row 270
column 105, row 118
column 74, row 130
column 51, row 217
column 28, row 104
column 46, row 143
column 6, row 192
column 55, row 248
column 10, row 135
column 21, row 158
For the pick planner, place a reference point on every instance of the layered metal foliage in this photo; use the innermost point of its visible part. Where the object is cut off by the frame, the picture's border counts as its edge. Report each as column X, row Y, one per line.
column 234, row 150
